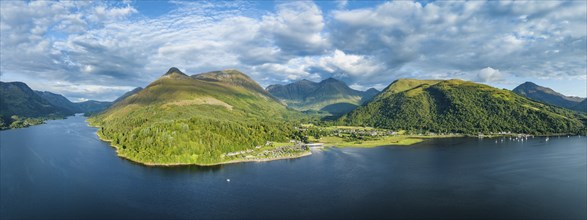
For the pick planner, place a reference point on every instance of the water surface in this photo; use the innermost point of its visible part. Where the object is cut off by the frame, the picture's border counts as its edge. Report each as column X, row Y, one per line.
column 62, row 170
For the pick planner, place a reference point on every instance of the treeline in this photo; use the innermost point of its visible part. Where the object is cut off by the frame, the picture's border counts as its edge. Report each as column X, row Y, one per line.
column 16, row 121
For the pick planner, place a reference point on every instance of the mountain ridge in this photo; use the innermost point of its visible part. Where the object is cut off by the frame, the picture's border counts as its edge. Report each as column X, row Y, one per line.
column 25, row 106
column 20, row 106
column 330, row 95
column 224, row 111
column 547, row 95
column 458, row 106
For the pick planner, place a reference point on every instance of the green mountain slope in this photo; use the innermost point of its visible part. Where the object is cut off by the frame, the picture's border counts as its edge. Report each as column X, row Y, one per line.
column 127, row 94
column 232, row 77
column 18, row 99
column 330, row 95
column 59, row 101
column 194, row 120
column 296, row 91
column 462, row 107
column 19, row 104
column 92, row 106
column 582, row 106
column 546, row 95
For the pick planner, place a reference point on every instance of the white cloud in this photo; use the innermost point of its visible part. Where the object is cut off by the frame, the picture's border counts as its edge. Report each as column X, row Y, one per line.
column 467, row 36
column 489, row 74
column 297, row 28
column 350, row 64
column 342, row 4
column 110, row 44
column 378, row 86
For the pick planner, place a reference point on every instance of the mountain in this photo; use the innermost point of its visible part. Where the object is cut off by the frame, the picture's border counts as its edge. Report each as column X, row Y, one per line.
column 232, row 77
column 330, row 95
column 194, row 119
column 59, row 101
column 127, row 94
column 370, row 93
column 31, row 107
column 460, row 107
column 19, row 103
column 19, row 99
column 296, row 91
column 92, row 106
column 546, row 95
column 582, row 106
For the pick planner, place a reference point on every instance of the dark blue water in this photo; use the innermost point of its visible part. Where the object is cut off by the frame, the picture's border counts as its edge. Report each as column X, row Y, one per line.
column 61, row 170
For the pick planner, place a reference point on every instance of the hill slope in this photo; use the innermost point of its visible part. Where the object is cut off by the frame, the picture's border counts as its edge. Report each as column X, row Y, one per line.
column 330, row 95
column 582, row 106
column 194, row 120
column 460, row 106
column 546, row 95
column 92, row 106
column 18, row 103
column 59, row 101
column 127, row 94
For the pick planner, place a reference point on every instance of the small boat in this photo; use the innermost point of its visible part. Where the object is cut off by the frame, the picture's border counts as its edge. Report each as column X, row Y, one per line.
column 546, row 139
column 227, row 180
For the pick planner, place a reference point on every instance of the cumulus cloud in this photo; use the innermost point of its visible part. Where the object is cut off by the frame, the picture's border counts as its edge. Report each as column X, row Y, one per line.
column 349, row 64
column 466, row 36
column 297, row 28
column 489, row 74
column 113, row 45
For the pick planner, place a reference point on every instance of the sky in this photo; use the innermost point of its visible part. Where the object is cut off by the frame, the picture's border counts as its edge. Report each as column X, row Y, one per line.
column 100, row 49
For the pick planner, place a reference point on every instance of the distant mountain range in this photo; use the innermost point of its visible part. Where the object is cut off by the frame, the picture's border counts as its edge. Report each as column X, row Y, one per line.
column 549, row 96
column 60, row 101
column 19, row 102
column 330, row 95
column 209, row 118
column 456, row 106
column 238, row 104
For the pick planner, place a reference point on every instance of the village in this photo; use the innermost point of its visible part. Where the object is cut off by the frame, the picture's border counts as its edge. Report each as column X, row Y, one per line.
column 312, row 137
column 271, row 150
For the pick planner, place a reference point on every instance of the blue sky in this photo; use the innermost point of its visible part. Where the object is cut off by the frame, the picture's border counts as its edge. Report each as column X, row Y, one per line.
column 99, row 50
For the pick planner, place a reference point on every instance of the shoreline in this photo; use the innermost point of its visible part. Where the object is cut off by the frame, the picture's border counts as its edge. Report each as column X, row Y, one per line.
column 415, row 140
column 100, row 137
column 404, row 141
column 308, row 153
column 421, row 138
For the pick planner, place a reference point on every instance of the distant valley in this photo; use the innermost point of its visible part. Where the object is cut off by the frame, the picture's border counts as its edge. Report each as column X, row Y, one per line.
column 330, row 95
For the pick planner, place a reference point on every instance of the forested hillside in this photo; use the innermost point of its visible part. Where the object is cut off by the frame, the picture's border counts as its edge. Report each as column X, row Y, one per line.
column 20, row 106
column 461, row 107
column 194, row 120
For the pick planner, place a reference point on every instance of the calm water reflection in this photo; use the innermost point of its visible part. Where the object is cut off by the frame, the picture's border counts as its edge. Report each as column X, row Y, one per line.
column 62, row 170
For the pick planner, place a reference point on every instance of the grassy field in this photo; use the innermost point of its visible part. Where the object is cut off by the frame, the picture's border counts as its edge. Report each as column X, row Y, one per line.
column 331, row 128
column 383, row 141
